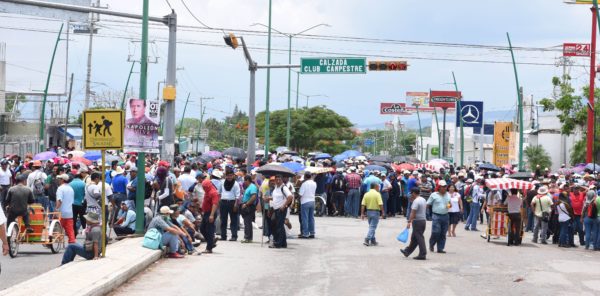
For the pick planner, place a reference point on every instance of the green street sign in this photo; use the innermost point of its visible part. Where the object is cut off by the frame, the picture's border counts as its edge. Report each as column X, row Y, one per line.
column 333, row 65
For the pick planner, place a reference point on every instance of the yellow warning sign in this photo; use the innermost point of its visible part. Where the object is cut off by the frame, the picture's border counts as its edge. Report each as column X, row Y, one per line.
column 103, row 129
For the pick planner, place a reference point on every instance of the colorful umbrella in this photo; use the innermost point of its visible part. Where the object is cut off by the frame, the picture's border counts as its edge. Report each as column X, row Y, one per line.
column 405, row 166
column 376, row 168
column 236, row 153
column 351, row 153
column 92, row 155
column 381, row 158
column 79, row 159
column 76, row 153
column 317, row 170
column 46, row 155
column 294, row 166
column 61, row 160
column 322, row 156
column 215, row 154
column 444, row 163
column 508, row 183
column 275, row 169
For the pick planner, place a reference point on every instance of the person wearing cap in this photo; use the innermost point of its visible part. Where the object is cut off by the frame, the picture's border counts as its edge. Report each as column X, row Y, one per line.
column 426, row 187
column 170, row 233
column 132, row 188
column 5, row 178
column 64, row 203
column 542, row 207
column 125, row 223
column 18, row 199
column 589, row 217
column 385, row 191
column 372, row 205
column 90, row 249
column 412, row 181
column 353, row 182
column 198, row 192
column 282, row 198
column 248, row 207
column 577, row 199
column 35, row 181
column 338, row 190
column 119, row 188
column 438, row 202
column 185, row 226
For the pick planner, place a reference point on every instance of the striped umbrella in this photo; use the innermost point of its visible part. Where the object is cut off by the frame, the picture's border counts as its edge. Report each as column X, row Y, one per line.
column 508, row 183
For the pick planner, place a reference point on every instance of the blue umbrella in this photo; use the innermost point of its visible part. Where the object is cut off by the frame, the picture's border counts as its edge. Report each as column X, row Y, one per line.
column 376, row 168
column 339, row 157
column 593, row 167
column 322, row 156
column 352, row 153
column 44, row 155
column 92, row 155
column 294, row 166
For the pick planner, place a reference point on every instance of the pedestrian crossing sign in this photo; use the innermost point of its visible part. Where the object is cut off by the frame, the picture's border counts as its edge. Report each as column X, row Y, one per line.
column 103, row 129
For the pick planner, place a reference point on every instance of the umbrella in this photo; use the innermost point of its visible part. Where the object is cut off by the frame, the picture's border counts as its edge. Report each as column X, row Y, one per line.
column 376, row 168
column 589, row 166
column 440, row 161
column 522, row 175
column 236, row 153
column 61, row 160
column 339, row 157
column 489, row 167
column 399, row 159
column 76, row 153
column 215, row 154
column 351, row 153
column 508, row 183
column 294, row 166
column 436, row 166
column 317, row 170
column 46, row 155
column 565, row 171
column 298, row 159
column 259, row 152
column 275, row 169
column 322, row 156
column 280, row 149
column 79, row 159
column 381, row 158
column 412, row 159
column 405, row 166
column 290, row 152
column 110, row 158
column 205, row 158
column 284, row 158
column 92, row 155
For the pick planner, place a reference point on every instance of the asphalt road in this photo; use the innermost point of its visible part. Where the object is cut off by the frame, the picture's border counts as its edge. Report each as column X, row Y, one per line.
column 336, row 263
column 31, row 261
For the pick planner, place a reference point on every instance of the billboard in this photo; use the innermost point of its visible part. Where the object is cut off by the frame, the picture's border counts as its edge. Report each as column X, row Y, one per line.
column 501, row 150
column 471, row 113
column 420, row 99
column 393, row 109
column 577, row 50
column 142, row 120
column 49, row 12
column 443, row 99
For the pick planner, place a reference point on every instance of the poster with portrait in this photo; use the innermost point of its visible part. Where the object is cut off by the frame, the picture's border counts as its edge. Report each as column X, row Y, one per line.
column 142, row 120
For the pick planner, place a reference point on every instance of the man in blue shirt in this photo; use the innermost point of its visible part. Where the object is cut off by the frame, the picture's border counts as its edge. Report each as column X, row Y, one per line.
column 119, row 187
column 78, row 209
column 248, row 207
column 126, row 221
column 411, row 182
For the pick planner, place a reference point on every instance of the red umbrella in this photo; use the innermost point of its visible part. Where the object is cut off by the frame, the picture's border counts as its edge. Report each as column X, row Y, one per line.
column 406, row 166
column 79, row 159
column 508, row 183
column 61, row 160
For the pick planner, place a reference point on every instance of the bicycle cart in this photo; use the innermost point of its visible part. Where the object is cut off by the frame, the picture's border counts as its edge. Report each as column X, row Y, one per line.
column 499, row 222
column 47, row 231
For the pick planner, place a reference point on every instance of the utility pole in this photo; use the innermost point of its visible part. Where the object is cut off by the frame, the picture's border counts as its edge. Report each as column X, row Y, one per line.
column 168, row 149
column 520, row 103
column 267, row 112
column 68, row 109
column 182, row 117
column 202, row 111
column 88, row 77
column 43, row 111
column 460, row 118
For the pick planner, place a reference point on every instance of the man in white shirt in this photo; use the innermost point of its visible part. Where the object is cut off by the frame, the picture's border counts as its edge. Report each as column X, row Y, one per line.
column 477, row 194
column 307, row 206
column 5, row 175
column 282, row 198
column 187, row 181
column 230, row 193
column 64, row 203
column 36, row 181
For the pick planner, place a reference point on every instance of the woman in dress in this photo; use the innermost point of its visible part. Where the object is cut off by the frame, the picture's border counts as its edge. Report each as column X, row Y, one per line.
column 455, row 209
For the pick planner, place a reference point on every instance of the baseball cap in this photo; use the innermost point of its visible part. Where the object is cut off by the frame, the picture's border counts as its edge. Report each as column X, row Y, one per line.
column 63, row 176
column 442, row 183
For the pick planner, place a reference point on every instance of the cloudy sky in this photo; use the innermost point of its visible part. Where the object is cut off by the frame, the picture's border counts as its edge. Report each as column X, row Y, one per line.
column 434, row 37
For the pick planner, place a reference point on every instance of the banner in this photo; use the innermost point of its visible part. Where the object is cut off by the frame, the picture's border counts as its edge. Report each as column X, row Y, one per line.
column 502, row 131
column 393, row 109
column 141, row 125
column 420, row 99
column 444, row 99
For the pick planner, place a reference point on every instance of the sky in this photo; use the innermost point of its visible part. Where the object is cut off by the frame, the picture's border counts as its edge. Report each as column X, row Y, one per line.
column 208, row 69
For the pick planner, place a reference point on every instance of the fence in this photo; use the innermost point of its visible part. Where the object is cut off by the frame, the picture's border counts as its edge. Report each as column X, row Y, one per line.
column 19, row 145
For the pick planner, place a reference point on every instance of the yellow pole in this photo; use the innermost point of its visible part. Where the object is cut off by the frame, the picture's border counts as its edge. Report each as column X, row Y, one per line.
column 103, row 204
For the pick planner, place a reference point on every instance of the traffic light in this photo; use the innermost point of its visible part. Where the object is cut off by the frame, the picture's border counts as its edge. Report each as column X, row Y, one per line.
column 231, row 40
column 388, row 66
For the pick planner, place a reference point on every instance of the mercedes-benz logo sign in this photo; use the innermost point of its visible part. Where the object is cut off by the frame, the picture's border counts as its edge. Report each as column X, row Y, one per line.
column 471, row 115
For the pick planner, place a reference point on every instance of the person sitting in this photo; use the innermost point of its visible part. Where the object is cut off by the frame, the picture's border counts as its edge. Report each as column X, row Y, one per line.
column 170, row 233
column 185, row 226
column 18, row 199
column 91, row 247
column 125, row 223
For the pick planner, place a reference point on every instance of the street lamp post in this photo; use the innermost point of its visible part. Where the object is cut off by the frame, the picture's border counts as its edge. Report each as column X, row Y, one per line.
column 289, row 109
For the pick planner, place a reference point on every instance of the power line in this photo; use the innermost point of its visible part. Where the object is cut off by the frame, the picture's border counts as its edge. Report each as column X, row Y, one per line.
column 193, row 15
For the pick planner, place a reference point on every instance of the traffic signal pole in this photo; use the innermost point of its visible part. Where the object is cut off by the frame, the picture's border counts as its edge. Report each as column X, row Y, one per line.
column 520, row 104
column 591, row 98
column 267, row 112
column 43, row 113
column 459, row 114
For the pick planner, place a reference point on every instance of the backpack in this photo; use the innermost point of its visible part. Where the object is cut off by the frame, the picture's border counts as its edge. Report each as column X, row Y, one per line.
column 592, row 211
column 38, row 186
column 152, row 239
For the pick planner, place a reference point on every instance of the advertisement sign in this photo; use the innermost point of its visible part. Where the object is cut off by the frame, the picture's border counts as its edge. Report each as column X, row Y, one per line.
column 393, row 109
column 61, row 14
column 502, row 131
column 141, row 125
column 576, row 50
column 471, row 113
column 444, row 99
column 102, row 129
column 420, row 99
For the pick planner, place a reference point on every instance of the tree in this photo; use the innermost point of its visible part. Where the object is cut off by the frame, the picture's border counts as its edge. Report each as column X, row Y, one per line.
column 10, row 103
column 316, row 128
column 536, row 155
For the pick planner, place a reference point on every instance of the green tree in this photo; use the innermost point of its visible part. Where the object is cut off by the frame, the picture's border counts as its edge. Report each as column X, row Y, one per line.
column 536, row 155
column 11, row 100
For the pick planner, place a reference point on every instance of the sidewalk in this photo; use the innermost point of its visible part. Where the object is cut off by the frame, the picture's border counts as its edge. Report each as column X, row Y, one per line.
column 123, row 260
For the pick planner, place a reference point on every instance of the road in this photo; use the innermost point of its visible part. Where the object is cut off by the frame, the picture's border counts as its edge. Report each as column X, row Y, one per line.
column 336, row 263
column 32, row 260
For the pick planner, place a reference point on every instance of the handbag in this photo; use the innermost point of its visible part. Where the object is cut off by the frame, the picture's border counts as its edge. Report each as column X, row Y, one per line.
column 403, row 236
column 152, row 239
column 545, row 215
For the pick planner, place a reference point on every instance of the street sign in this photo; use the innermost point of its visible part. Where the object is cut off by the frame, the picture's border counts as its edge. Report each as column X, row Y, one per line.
column 576, row 50
column 369, row 142
column 472, row 114
column 393, row 108
column 443, row 99
column 49, row 12
column 388, row 65
column 203, row 133
column 102, row 129
column 333, row 65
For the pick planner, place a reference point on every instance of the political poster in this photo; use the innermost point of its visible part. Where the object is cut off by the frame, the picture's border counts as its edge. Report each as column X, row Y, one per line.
column 502, row 131
column 420, row 99
column 142, row 120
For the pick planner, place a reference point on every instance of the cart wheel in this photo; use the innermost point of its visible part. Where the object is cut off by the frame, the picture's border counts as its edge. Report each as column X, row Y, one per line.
column 13, row 241
column 57, row 237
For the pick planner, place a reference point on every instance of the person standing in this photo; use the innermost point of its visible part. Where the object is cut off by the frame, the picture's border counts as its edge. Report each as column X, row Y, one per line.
column 210, row 203
column 419, row 223
column 477, row 194
column 338, row 189
column 426, row 188
column 78, row 187
column 514, row 203
column 456, row 209
column 307, row 205
column 577, row 199
column 35, row 181
column 386, row 188
column 353, row 182
column 589, row 217
column 248, row 207
column 230, row 193
column 187, row 180
column 541, row 206
column 439, row 201
column 5, row 177
column 372, row 204
column 564, row 219
column 65, row 197
column 282, row 198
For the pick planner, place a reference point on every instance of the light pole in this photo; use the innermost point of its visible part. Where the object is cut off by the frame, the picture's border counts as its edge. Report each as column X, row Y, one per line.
column 313, row 96
column 290, row 36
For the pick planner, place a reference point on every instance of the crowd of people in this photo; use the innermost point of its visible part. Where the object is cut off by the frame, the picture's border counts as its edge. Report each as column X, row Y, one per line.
column 194, row 200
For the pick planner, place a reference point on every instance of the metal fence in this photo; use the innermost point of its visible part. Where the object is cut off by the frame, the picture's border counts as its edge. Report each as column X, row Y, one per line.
column 19, row 145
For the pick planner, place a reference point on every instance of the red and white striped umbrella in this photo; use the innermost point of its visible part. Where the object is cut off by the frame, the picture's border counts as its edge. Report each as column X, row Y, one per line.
column 430, row 166
column 508, row 183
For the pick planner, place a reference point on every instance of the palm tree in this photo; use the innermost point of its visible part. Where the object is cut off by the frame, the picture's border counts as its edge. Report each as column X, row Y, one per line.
column 536, row 155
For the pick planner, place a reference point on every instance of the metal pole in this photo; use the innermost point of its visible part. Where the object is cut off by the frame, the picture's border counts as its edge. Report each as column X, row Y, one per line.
column 420, row 132
column 43, row 113
column 520, row 104
column 141, row 162
column 591, row 118
column 126, row 86
column 289, row 111
column 68, row 109
column 182, row 117
column 481, row 152
column 168, row 151
column 252, row 118
column 437, row 126
column 297, row 88
column 462, row 133
column 103, row 203
column 444, row 133
column 199, row 129
column 267, row 115
column 88, row 77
